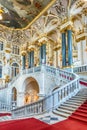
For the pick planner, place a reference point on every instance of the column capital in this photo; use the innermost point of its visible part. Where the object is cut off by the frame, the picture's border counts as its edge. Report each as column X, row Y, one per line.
column 42, row 40
column 23, row 53
column 39, row 43
column 68, row 25
column 31, row 48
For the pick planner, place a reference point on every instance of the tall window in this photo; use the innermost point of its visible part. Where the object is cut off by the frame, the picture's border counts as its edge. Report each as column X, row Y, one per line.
column 15, row 49
column 1, row 45
column 0, row 69
column 15, row 69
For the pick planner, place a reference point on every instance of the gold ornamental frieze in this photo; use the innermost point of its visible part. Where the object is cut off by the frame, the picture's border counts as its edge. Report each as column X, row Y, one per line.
column 81, row 35
column 79, row 3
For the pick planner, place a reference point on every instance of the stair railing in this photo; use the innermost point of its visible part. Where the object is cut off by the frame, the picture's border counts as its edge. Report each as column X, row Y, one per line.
column 78, row 69
column 53, row 100
column 4, row 107
column 63, row 74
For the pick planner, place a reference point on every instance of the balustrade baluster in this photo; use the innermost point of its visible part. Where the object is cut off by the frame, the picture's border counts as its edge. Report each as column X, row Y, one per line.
column 56, row 98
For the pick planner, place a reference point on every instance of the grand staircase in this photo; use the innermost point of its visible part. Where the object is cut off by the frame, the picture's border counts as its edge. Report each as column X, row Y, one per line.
column 73, row 107
column 73, row 110
column 72, row 104
column 81, row 113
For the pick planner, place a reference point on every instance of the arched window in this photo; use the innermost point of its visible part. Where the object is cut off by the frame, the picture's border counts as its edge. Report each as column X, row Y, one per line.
column 15, row 49
column 15, row 69
column 1, row 45
column 0, row 69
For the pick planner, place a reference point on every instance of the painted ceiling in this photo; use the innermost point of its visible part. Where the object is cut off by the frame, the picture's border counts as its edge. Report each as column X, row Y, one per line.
column 48, row 24
column 19, row 13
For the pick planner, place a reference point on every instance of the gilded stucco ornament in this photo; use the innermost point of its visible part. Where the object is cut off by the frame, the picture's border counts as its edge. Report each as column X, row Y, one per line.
column 81, row 35
column 7, row 78
column 23, row 50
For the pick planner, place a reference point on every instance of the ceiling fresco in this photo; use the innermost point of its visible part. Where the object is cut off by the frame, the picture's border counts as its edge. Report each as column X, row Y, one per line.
column 19, row 13
column 22, row 13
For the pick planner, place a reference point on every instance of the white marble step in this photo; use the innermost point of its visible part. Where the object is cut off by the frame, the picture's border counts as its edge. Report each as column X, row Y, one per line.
column 64, row 110
column 59, row 113
column 79, row 98
column 68, row 108
column 5, row 118
column 82, row 94
column 73, row 103
column 70, row 105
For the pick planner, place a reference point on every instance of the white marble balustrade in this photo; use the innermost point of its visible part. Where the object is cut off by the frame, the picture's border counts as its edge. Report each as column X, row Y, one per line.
column 55, row 98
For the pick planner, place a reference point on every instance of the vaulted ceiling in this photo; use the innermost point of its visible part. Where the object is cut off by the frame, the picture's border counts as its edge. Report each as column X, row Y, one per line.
column 19, row 13
column 48, row 24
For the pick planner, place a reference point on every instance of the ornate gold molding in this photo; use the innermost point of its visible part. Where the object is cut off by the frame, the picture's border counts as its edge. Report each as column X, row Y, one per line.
column 75, row 53
column 23, row 50
column 68, row 25
column 79, row 3
column 42, row 12
column 84, row 10
column 42, row 40
column 31, row 48
column 81, row 35
column 23, row 53
column 7, row 78
column 8, row 50
column 58, row 47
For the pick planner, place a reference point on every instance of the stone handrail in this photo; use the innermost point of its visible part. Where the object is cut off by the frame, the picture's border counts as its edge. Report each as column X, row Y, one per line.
column 79, row 69
column 50, row 69
column 4, row 107
column 26, row 71
column 55, row 98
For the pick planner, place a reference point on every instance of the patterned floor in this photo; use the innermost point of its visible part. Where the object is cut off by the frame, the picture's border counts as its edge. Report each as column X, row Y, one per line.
column 49, row 119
